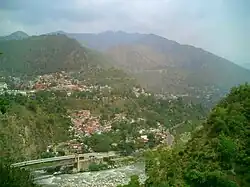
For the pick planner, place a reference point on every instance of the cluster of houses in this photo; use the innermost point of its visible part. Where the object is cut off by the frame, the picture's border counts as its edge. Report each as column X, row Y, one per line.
column 140, row 91
column 57, row 81
column 160, row 133
column 4, row 89
column 84, row 124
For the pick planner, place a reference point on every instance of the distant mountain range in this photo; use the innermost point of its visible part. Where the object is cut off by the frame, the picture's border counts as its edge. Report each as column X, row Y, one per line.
column 164, row 65
column 159, row 64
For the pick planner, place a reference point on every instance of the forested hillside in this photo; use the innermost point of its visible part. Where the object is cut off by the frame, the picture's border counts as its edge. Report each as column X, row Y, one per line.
column 216, row 156
column 41, row 54
column 29, row 124
column 38, row 55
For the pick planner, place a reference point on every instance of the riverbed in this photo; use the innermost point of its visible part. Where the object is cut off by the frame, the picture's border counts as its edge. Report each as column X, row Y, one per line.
column 105, row 178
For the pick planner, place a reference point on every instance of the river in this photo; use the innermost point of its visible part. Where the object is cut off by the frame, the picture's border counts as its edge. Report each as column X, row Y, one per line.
column 105, row 178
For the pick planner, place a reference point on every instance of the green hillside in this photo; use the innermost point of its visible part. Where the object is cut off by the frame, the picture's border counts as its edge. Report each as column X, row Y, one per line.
column 216, row 156
column 38, row 55
column 42, row 54
column 29, row 124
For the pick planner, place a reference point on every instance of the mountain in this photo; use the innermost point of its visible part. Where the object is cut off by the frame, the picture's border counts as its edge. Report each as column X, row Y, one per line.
column 46, row 54
column 200, row 67
column 41, row 54
column 165, row 66
column 18, row 35
column 38, row 55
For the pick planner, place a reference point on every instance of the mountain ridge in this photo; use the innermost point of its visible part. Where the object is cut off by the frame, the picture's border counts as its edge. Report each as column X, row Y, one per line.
column 161, row 65
column 18, row 35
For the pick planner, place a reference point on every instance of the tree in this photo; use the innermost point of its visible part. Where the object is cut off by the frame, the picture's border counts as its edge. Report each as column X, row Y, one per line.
column 99, row 142
column 134, row 182
column 15, row 177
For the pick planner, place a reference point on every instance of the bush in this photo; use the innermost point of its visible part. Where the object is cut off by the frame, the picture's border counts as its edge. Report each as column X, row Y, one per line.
column 47, row 155
column 97, row 167
column 15, row 177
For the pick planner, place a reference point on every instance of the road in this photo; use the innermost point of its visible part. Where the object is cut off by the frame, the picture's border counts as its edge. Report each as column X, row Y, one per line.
column 60, row 158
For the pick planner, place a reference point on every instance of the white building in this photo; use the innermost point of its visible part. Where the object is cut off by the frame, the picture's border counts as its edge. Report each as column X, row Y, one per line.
column 3, row 86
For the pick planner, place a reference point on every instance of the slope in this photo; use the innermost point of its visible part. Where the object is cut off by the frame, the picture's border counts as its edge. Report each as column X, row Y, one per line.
column 104, row 40
column 39, row 55
column 165, row 66
column 29, row 125
column 217, row 155
column 18, row 35
column 211, row 68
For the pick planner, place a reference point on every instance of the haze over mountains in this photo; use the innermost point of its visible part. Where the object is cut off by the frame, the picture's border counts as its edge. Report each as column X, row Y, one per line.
column 164, row 65
column 159, row 64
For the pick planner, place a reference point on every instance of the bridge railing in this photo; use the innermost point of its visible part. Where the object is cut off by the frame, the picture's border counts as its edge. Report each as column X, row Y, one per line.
column 52, row 159
column 61, row 158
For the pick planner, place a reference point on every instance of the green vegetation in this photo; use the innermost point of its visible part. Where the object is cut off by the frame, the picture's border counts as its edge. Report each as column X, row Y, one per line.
column 216, row 156
column 38, row 55
column 147, row 109
column 15, row 177
column 97, row 167
column 134, row 182
column 42, row 54
column 29, row 124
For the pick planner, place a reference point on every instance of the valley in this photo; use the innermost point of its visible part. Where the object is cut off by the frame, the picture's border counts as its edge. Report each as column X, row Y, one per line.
column 138, row 95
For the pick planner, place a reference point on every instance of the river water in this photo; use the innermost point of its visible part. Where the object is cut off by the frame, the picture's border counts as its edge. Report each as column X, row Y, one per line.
column 106, row 178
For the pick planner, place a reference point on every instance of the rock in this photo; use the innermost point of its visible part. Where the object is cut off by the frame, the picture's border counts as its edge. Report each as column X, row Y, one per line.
column 74, row 171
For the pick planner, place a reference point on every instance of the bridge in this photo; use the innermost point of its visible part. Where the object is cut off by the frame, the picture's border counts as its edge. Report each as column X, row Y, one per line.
column 78, row 161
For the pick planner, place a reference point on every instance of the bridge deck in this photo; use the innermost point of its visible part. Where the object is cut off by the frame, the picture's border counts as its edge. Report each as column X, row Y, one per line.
column 64, row 158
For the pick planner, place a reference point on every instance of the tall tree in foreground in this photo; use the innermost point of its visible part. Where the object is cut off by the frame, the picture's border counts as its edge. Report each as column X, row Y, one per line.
column 15, row 177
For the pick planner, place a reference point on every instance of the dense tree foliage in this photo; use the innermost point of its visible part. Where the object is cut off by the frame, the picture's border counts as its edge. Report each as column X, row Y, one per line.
column 29, row 124
column 97, row 167
column 216, row 156
column 15, row 177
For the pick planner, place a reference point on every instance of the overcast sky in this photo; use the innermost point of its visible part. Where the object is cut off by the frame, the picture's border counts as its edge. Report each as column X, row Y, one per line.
column 219, row 26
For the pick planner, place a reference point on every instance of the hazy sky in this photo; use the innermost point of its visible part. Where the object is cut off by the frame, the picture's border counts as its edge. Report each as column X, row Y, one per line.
column 219, row 26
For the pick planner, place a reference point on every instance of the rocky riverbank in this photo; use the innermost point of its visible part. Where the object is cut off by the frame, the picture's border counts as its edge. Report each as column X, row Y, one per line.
column 106, row 178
